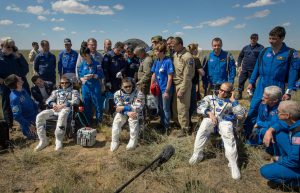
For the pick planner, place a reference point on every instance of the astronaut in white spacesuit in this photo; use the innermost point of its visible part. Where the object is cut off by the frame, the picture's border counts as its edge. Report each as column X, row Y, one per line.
column 129, row 105
column 220, row 112
column 61, row 101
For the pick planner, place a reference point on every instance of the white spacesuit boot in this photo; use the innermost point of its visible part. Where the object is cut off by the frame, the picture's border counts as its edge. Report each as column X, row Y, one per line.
column 43, row 139
column 134, row 134
column 226, row 131
column 118, row 122
column 206, row 128
column 61, row 128
column 41, row 130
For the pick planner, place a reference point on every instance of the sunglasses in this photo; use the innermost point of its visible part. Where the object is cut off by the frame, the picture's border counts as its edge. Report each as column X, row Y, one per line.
column 64, row 82
column 129, row 86
column 225, row 91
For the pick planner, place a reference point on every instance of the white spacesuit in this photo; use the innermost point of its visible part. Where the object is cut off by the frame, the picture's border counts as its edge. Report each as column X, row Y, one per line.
column 66, row 98
column 226, row 113
column 132, row 102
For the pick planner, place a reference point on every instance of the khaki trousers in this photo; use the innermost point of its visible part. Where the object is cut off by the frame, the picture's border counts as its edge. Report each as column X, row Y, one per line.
column 181, row 106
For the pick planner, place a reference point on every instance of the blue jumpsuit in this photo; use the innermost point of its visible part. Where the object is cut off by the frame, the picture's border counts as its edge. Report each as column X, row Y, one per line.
column 112, row 64
column 217, row 70
column 67, row 62
column 24, row 110
column 267, row 116
column 132, row 67
column 247, row 59
column 287, row 169
column 272, row 71
column 91, row 89
column 45, row 66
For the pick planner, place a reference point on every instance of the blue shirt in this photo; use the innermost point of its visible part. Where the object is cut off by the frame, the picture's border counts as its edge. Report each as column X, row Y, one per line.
column 267, row 116
column 217, row 70
column 248, row 56
column 162, row 68
column 273, row 69
column 23, row 107
column 67, row 62
column 45, row 66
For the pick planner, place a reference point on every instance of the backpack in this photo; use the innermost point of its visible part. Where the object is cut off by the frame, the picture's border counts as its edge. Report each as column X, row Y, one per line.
column 291, row 51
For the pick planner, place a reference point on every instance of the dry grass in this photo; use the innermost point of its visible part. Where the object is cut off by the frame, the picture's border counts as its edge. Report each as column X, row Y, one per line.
column 79, row 170
column 87, row 170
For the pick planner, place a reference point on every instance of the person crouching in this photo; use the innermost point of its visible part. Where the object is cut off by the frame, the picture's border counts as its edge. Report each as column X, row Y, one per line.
column 61, row 101
column 129, row 103
column 220, row 111
column 23, row 107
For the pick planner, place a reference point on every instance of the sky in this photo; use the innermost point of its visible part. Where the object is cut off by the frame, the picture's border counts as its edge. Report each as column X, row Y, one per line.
column 196, row 21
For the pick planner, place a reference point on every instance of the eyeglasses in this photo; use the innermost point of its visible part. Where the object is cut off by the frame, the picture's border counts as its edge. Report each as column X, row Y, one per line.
column 8, row 47
column 64, row 82
column 280, row 113
column 129, row 86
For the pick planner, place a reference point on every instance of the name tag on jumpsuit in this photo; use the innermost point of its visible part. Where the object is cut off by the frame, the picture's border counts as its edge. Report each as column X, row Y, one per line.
column 280, row 58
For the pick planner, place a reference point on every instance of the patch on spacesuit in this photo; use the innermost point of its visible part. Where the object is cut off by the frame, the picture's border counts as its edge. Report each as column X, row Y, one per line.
column 295, row 54
column 15, row 109
column 296, row 140
column 22, row 98
column 223, row 60
column 191, row 61
column 280, row 58
column 211, row 60
column 218, row 110
column 105, row 59
column 273, row 113
column 269, row 55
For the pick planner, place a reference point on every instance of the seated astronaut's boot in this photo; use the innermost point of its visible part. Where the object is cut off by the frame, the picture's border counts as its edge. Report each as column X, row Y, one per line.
column 235, row 171
column 42, row 144
column 58, row 145
column 131, row 145
column 114, row 146
column 195, row 158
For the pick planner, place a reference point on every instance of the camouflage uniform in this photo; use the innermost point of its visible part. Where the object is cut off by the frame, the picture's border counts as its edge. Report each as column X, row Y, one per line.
column 144, row 73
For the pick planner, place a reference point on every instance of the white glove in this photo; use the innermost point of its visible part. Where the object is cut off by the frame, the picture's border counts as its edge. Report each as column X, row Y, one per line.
column 119, row 75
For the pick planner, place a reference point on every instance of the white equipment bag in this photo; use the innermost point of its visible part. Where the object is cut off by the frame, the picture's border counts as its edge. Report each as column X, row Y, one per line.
column 86, row 137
